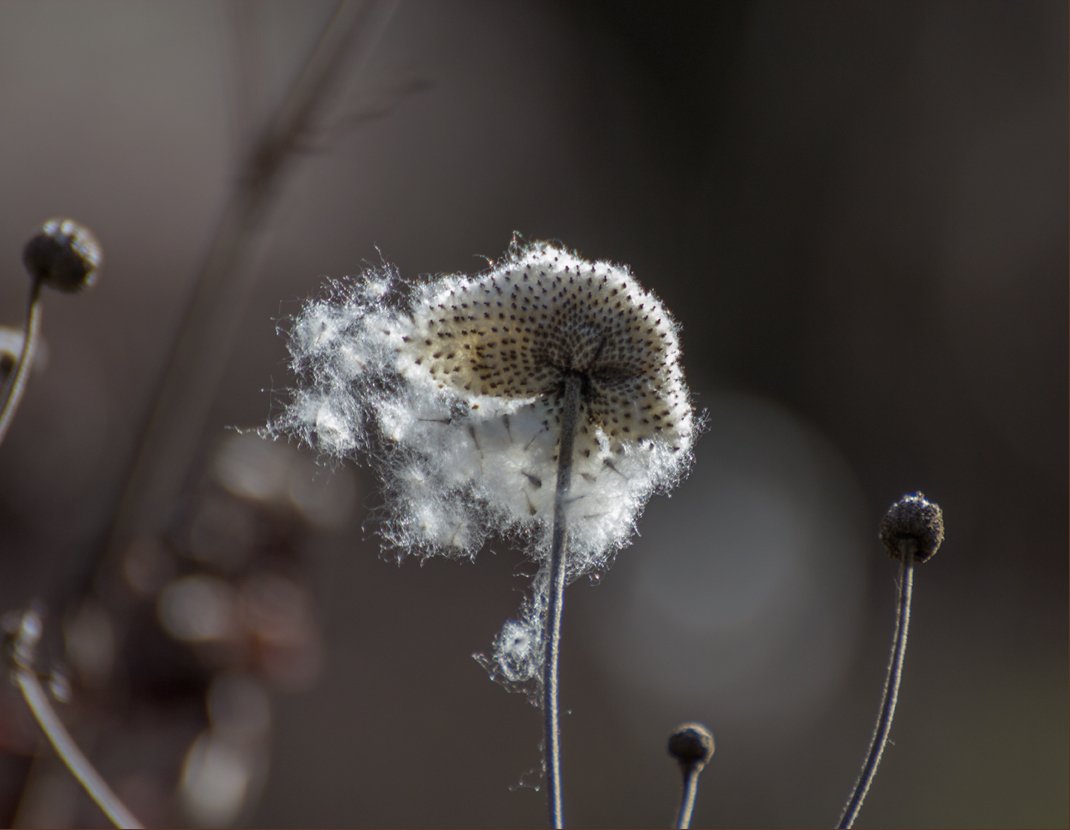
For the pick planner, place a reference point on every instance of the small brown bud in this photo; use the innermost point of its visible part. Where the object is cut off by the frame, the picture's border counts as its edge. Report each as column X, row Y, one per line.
column 913, row 517
column 63, row 255
column 691, row 744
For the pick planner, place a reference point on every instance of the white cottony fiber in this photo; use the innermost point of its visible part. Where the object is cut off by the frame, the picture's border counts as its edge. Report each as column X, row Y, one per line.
column 454, row 393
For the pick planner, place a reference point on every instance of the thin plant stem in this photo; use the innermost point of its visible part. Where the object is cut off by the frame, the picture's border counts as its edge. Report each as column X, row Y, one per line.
column 58, row 736
column 569, row 418
column 687, row 798
column 20, row 373
column 907, row 548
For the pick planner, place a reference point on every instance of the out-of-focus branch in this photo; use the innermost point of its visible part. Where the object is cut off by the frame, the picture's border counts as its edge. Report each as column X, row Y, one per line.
column 198, row 359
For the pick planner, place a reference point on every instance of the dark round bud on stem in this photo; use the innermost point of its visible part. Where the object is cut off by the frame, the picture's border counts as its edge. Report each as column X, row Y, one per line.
column 691, row 744
column 63, row 255
column 913, row 517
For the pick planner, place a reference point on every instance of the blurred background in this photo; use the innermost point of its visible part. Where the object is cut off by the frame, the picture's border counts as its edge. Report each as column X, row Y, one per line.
column 858, row 213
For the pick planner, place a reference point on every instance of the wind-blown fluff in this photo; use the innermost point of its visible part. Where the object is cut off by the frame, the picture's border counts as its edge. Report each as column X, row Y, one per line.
column 453, row 392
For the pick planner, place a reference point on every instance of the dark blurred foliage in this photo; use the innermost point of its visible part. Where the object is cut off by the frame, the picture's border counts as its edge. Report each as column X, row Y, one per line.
column 857, row 211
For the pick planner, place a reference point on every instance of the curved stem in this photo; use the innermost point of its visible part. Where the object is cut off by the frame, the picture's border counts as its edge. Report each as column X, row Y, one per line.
column 891, row 687
column 16, row 385
column 687, row 798
column 58, row 736
column 569, row 418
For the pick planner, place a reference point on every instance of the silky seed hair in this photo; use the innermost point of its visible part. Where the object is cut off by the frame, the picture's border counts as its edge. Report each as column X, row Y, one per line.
column 453, row 388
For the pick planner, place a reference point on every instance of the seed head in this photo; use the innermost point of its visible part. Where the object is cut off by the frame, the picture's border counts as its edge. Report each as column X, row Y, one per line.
column 691, row 744
column 515, row 333
column 913, row 517
column 454, row 393
column 64, row 255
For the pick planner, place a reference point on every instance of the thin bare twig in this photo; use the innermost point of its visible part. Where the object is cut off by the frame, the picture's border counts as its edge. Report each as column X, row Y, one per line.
column 196, row 364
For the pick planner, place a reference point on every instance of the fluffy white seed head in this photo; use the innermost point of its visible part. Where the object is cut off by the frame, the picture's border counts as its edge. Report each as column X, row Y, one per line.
column 454, row 394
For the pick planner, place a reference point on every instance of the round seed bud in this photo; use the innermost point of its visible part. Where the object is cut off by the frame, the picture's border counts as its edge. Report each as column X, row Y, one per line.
column 691, row 744
column 913, row 517
column 63, row 255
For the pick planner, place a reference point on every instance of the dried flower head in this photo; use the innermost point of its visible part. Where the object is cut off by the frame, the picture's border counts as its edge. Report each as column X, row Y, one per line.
column 64, row 255
column 691, row 744
column 454, row 393
column 913, row 517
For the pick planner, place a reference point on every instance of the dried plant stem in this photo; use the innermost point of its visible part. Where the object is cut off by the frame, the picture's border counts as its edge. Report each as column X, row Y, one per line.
column 20, row 373
column 570, row 411
column 58, row 736
column 891, row 686
column 687, row 798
